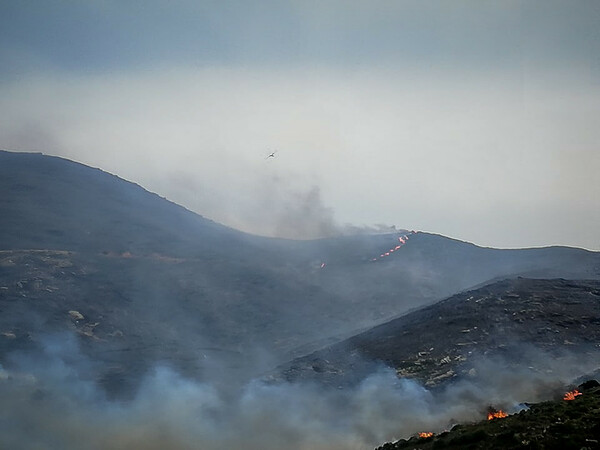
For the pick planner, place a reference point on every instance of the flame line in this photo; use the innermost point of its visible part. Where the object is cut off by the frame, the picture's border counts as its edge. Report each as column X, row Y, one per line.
column 402, row 239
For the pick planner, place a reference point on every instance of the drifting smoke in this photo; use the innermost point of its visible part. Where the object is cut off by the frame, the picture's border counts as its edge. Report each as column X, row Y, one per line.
column 49, row 402
column 305, row 215
column 281, row 208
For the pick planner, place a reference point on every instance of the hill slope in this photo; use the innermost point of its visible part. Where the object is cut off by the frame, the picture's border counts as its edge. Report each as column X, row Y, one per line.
column 511, row 320
column 556, row 424
column 139, row 279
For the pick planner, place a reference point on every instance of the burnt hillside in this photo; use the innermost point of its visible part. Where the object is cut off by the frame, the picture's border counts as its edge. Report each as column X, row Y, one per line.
column 441, row 342
column 139, row 280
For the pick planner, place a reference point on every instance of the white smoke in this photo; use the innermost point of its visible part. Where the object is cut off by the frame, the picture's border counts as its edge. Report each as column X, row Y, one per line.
column 50, row 402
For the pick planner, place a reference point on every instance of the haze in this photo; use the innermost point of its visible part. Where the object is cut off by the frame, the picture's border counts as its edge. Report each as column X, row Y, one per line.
column 476, row 120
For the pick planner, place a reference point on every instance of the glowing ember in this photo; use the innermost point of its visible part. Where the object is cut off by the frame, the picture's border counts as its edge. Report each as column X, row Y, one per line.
column 496, row 414
column 571, row 395
column 425, row 435
column 402, row 239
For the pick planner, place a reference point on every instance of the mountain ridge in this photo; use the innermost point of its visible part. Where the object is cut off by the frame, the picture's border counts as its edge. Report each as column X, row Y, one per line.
column 147, row 273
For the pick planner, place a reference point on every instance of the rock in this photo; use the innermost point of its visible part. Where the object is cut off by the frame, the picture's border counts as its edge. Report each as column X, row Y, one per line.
column 590, row 384
column 76, row 315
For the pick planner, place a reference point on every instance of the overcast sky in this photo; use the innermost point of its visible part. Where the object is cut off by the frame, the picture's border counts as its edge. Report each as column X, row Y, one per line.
column 474, row 119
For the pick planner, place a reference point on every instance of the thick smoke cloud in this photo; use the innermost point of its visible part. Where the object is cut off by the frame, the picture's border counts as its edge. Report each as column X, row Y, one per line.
column 50, row 401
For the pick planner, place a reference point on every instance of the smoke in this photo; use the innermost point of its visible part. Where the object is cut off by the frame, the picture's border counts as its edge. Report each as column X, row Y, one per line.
column 286, row 209
column 50, row 401
column 277, row 205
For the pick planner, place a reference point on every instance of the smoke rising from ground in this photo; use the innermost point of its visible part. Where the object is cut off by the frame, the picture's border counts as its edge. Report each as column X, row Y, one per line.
column 48, row 401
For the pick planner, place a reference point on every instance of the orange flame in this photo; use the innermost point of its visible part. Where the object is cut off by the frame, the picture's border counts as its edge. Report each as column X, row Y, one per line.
column 425, row 435
column 496, row 414
column 571, row 395
column 401, row 239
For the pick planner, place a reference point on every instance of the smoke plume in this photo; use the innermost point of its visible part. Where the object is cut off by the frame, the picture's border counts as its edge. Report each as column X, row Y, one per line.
column 51, row 401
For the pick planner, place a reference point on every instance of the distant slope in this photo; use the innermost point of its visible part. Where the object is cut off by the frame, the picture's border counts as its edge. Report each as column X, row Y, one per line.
column 156, row 282
column 442, row 342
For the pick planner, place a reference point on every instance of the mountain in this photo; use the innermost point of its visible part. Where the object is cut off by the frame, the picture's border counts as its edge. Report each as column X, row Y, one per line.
column 140, row 280
column 519, row 321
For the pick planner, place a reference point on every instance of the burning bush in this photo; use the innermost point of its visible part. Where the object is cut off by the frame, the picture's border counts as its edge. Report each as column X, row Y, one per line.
column 571, row 395
column 496, row 414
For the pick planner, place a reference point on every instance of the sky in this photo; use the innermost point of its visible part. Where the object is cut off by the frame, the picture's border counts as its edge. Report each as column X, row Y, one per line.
column 477, row 120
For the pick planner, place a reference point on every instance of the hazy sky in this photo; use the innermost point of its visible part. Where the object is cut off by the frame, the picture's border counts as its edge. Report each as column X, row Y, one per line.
column 475, row 119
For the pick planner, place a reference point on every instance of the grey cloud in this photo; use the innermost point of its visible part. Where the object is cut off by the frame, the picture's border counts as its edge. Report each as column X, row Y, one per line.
column 112, row 35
